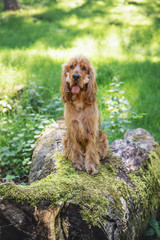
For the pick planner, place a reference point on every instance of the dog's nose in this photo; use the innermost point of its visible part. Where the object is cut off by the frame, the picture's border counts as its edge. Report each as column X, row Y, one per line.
column 76, row 76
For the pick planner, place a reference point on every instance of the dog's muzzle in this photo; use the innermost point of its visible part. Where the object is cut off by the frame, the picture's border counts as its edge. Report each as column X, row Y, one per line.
column 76, row 77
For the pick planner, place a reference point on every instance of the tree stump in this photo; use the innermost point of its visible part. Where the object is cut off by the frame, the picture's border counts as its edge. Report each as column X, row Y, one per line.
column 11, row 5
column 61, row 203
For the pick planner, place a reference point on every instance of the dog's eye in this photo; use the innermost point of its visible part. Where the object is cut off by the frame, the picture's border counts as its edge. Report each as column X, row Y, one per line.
column 83, row 68
column 71, row 67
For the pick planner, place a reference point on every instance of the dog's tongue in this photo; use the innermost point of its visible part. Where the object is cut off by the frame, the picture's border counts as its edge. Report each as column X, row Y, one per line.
column 75, row 89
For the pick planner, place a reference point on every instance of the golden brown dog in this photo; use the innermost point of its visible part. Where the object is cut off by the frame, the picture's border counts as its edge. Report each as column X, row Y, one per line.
column 84, row 143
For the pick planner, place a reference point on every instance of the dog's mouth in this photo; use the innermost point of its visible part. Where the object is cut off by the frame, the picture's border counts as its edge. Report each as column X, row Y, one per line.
column 75, row 89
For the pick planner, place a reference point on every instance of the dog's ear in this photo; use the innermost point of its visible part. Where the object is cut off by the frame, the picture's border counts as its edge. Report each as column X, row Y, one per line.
column 92, row 86
column 64, row 88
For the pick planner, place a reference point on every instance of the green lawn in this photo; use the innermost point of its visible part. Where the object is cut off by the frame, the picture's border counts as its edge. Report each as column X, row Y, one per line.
column 121, row 38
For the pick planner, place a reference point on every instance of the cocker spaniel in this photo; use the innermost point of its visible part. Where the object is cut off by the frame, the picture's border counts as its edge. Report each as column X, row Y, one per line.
column 84, row 143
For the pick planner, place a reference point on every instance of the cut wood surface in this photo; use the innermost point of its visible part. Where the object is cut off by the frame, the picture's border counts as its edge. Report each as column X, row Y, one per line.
column 62, row 203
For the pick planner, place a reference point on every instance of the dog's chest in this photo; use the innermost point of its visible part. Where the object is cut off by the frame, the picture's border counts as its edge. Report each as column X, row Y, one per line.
column 79, row 106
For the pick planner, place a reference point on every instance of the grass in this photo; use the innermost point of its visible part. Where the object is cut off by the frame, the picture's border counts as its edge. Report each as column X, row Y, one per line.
column 120, row 38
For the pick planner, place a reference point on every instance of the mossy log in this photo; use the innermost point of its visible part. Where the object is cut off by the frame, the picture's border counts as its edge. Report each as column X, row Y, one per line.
column 61, row 203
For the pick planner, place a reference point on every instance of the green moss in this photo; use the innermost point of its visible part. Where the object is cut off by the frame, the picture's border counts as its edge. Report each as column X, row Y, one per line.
column 157, row 151
column 140, row 137
column 146, row 193
column 155, row 163
column 96, row 194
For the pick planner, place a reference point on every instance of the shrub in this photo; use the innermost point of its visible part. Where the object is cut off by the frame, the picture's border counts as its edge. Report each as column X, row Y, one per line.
column 25, row 115
column 22, row 120
column 117, row 114
column 154, row 229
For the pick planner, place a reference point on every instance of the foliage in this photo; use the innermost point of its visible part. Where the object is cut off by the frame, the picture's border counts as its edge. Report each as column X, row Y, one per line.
column 119, row 37
column 26, row 114
column 23, row 119
column 117, row 113
column 154, row 229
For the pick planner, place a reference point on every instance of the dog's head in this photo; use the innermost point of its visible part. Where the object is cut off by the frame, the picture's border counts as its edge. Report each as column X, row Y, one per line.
column 78, row 76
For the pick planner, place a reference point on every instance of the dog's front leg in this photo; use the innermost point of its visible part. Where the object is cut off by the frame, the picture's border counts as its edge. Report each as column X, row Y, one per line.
column 92, row 158
column 74, row 152
column 73, row 148
column 77, row 157
column 91, row 155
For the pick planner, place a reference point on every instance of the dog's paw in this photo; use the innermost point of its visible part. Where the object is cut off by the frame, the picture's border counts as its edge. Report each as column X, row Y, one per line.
column 91, row 169
column 78, row 166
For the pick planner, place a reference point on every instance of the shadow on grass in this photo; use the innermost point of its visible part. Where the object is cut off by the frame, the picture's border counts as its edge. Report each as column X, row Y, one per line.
column 38, row 69
column 20, row 31
column 141, row 84
column 57, row 28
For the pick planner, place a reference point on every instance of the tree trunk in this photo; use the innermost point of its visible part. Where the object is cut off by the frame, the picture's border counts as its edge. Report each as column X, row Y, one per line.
column 116, row 204
column 11, row 5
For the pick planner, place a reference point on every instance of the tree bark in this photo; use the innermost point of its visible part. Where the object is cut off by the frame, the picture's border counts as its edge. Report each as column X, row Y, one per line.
column 11, row 5
column 116, row 204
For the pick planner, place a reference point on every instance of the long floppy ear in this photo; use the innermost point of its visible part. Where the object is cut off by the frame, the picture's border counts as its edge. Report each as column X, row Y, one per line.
column 64, row 88
column 90, row 95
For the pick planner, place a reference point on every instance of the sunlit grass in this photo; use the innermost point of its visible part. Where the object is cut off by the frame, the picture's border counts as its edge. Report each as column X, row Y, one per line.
column 68, row 5
column 22, row 67
column 120, row 38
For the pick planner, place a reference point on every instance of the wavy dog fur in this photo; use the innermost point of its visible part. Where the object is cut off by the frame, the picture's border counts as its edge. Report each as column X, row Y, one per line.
column 84, row 143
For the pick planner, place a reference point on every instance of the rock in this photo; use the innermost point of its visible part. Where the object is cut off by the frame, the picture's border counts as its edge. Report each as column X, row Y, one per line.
column 134, row 148
column 141, row 138
column 19, row 88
